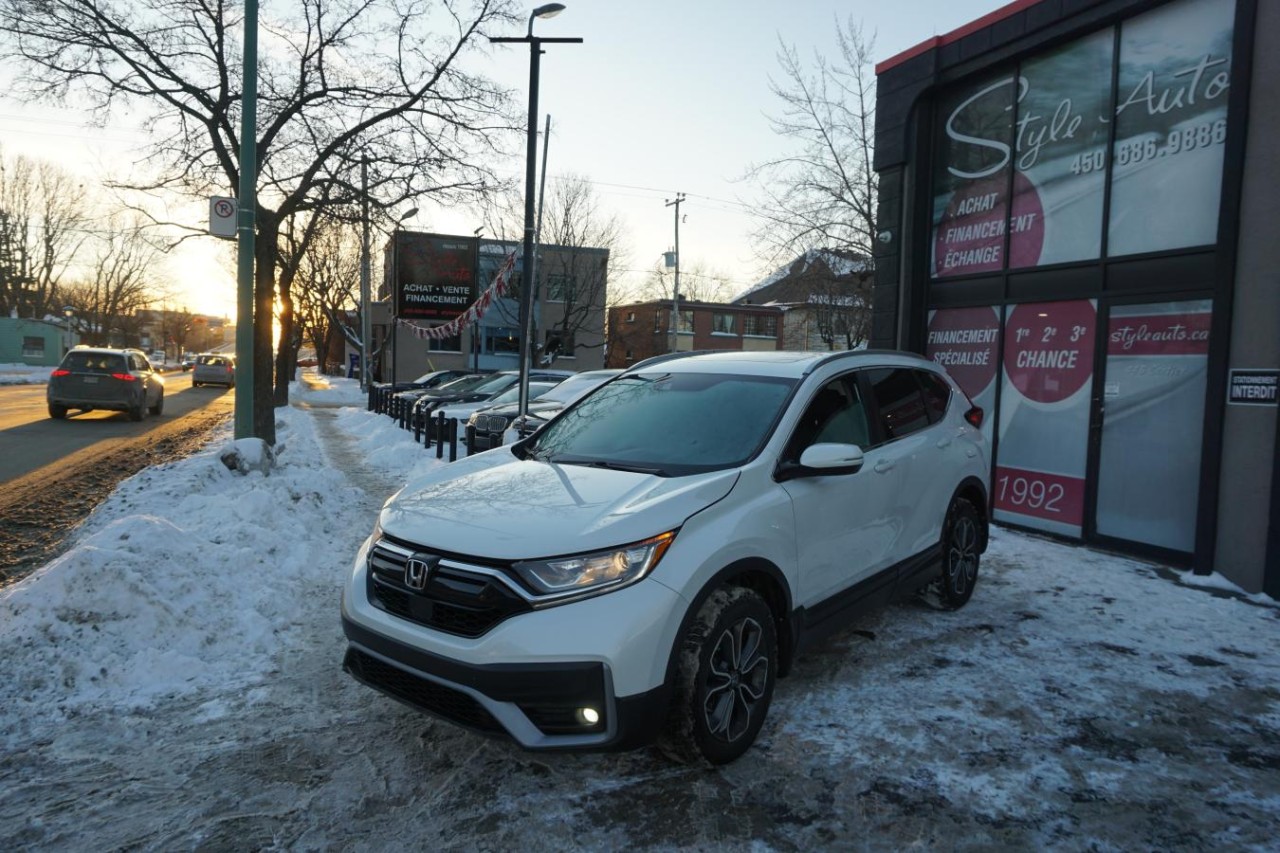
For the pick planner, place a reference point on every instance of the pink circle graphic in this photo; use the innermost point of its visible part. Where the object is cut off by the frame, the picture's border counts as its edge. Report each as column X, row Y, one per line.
column 1048, row 348
column 964, row 341
column 970, row 237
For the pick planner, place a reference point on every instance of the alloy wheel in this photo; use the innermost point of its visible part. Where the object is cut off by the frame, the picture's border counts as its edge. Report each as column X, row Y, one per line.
column 962, row 554
column 737, row 680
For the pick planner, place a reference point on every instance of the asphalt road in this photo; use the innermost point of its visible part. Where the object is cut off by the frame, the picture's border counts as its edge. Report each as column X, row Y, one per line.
column 54, row 472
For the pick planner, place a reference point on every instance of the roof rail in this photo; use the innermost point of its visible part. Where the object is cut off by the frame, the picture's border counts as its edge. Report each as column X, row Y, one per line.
column 849, row 353
column 659, row 359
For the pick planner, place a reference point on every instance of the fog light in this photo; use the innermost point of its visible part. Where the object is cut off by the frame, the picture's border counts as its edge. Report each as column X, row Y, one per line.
column 588, row 716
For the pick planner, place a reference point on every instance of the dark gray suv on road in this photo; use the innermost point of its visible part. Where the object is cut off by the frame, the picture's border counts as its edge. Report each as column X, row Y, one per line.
column 120, row 380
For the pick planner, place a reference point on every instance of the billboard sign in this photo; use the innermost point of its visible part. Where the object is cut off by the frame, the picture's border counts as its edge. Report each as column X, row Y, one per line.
column 434, row 275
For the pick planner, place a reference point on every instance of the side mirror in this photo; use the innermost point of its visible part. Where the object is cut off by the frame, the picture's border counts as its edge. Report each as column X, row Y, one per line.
column 822, row 459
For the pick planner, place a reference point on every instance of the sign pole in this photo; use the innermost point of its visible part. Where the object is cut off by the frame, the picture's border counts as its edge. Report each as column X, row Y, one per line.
column 244, row 414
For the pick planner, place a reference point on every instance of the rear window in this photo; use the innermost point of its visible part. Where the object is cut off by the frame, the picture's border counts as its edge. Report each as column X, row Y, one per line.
column 937, row 393
column 212, row 359
column 94, row 362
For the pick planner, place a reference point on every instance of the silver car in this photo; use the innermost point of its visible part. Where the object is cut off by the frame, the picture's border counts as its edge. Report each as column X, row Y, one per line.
column 120, row 380
column 213, row 369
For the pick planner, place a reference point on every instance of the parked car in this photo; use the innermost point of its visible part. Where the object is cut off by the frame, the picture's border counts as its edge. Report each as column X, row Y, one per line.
column 120, row 380
column 462, row 412
column 213, row 369
column 188, row 361
column 487, row 390
column 649, row 563
column 453, row 386
column 496, row 419
column 433, row 379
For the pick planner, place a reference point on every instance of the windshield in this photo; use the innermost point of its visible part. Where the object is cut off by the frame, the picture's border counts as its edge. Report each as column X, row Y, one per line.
column 670, row 424
column 575, row 387
column 512, row 394
column 501, row 382
column 466, row 383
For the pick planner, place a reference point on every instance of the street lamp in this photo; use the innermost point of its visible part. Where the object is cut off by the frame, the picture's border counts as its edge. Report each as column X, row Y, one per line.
column 69, row 312
column 395, row 290
column 527, row 281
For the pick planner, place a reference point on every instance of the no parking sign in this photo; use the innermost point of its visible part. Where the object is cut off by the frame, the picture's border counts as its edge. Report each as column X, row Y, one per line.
column 222, row 216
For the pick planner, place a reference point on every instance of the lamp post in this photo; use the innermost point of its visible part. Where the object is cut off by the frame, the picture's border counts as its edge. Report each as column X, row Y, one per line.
column 527, row 280
column 395, row 291
column 68, row 312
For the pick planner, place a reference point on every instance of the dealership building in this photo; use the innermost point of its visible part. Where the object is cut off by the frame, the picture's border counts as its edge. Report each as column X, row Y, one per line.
column 439, row 306
column 1079, row 202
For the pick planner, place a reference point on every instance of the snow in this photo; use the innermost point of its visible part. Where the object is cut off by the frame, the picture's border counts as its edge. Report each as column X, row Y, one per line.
column 172, row 681
column 24, row 374
column 838, row 265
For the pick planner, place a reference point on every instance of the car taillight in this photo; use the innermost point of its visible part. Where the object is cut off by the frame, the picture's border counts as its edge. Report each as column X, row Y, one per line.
column 974, row 416
column 61, row 372
column 124, row 377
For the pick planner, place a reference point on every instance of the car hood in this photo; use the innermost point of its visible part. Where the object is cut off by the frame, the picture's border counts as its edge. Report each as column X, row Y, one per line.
column 495, row 506
column 513, row 409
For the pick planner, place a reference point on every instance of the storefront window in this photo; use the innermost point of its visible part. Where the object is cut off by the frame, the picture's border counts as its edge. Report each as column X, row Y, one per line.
column 1059, row 167
column 1044, row 415
column 1171, row 122
column 1152, row 422
column 971, row 178
column 966, row 342
column 501, row 340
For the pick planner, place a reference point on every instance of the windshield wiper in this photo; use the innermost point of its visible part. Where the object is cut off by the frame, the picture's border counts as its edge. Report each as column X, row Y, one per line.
column 617, row 466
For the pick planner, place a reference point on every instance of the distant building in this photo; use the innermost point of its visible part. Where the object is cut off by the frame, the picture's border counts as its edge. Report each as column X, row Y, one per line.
column 643, row 329
column 34, row 342
column 827, row 298
column 431, row 279
column 819, row 301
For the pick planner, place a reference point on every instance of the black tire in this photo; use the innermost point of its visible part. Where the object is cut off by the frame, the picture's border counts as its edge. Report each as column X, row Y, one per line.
column 138, row 412
column 195, row 384
column 57, row 412
column 159, row 406
column 961, row 549
column 726, row 668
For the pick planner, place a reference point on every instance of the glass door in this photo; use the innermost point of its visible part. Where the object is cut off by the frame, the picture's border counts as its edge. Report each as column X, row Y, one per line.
column 1152, row 419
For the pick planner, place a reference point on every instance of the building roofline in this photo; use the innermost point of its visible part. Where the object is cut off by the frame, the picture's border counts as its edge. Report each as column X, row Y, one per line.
column 955, row 35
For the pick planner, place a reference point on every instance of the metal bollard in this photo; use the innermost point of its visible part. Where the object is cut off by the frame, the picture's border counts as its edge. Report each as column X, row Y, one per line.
column 453, row 439
column 416, row 419
column 440, row 435
column 471, row 439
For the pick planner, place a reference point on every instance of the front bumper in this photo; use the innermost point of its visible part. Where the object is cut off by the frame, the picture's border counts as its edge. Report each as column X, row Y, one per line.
column 536, row 705
column 531, row 676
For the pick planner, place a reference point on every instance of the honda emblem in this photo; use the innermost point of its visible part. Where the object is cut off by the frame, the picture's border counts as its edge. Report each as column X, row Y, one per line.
column 418, row 571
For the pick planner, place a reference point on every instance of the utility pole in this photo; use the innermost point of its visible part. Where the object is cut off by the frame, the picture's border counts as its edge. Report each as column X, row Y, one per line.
column 246, row 208
column 675, row 290
column 366, row 322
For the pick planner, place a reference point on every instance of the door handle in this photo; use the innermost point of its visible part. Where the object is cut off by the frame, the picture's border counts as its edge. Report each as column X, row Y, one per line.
column 883, row 465
column 945, row 441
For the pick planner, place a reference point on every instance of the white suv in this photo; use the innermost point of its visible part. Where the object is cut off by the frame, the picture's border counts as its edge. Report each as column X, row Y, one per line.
column 647, row 564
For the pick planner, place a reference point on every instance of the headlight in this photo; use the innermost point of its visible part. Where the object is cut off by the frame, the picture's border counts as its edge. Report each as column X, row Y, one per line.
column 596, row 571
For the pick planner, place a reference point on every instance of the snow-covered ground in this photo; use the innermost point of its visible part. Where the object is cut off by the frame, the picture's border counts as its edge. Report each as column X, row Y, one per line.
column 173, row 681
column 24, row 374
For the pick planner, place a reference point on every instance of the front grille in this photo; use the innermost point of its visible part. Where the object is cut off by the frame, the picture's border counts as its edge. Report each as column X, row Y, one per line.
column 490, row 423
column 454, row 600
column 453, row 705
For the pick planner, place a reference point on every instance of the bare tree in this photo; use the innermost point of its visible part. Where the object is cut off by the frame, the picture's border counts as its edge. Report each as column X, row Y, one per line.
column 327, row 284
column 338, row 80
column 575, row 277
column 697, row 284
column 43, row 215
column 120, row 283
column 823, row 193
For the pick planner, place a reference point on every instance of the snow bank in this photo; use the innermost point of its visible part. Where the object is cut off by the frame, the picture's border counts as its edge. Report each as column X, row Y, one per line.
column 24, row 374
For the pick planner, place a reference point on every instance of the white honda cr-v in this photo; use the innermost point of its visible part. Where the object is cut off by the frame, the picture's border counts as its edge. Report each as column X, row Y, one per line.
column 646, row 565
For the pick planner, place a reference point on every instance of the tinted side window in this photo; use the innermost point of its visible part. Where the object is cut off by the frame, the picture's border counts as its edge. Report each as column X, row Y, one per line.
column 140, row 363
column 937, row 394
column 834, row 415
column 899, row 400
